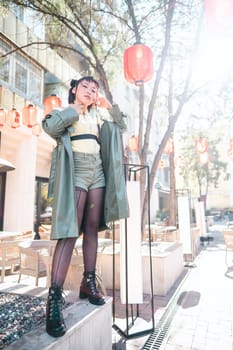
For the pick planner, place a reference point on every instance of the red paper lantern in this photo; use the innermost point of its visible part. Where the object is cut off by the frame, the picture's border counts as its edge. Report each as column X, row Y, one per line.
column 37, row 129
column 133, row 143
column 13, row 118
column 169, row 148
column 201, row 145
column 161, row 164
column 230, row 153
column 3, row 115
column 29, row 115
column 50, row 103
column 138, row 64
column 230, row 149
column 219, row 14
column 203, row 157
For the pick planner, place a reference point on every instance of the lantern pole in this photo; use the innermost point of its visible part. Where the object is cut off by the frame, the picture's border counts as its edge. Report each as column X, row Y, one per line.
column 138, row 68
column 141, row 112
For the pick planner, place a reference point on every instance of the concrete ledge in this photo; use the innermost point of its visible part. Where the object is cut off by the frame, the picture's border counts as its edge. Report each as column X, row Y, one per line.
column 89, row 327
column 167, row 265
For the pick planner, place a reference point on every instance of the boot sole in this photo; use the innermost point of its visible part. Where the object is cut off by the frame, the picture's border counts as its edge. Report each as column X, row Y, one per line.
column 83, row 295
column 98, row 302
column 55, row 334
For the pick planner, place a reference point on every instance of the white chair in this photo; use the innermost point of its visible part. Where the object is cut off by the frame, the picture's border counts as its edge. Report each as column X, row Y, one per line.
column 9, row 251
column 9, row 256
column 35, row 258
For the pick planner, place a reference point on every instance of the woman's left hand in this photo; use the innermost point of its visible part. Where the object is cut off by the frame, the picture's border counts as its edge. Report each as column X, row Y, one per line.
column 102, row 102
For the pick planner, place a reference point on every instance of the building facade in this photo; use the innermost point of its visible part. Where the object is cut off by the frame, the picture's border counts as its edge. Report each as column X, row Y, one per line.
column 27, row 75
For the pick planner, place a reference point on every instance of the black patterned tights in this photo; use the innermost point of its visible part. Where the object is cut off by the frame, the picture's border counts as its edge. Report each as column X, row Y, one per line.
column 89, row 209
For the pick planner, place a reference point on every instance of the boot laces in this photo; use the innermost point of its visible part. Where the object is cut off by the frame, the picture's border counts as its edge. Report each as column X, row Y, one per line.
column 91, row 279
column 56, row 301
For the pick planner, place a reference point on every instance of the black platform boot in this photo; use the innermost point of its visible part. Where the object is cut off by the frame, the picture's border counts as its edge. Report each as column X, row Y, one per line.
column 89, row 290
column 55, row 325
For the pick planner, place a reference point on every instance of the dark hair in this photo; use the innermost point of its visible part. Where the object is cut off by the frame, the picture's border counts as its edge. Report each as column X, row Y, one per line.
column 74, row 83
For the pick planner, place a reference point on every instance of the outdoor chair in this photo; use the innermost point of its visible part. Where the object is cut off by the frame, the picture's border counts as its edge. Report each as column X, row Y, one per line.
column 9, row 251
column 76, row 268
column 35, row 258
column 228, row 239
column 9, row 256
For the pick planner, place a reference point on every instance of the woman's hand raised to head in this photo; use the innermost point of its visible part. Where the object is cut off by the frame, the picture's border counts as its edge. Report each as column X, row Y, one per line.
column 79, row 107
column 102, row 102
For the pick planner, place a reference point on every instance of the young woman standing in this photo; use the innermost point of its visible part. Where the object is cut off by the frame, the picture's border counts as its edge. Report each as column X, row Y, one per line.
column 87, row 185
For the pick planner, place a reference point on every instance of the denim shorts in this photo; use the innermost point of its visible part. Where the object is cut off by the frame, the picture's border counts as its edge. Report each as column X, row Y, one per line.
column 88, row 171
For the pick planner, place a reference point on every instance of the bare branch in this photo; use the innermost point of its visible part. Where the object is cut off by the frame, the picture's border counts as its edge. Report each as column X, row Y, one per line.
column 52, row 45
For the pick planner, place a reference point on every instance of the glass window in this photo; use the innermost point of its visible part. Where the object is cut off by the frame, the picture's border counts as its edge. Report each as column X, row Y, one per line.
column 4, row 62
column 21, row 75
column 20, row 78
column 5, row 69
column 17, row 10
column 34, row 88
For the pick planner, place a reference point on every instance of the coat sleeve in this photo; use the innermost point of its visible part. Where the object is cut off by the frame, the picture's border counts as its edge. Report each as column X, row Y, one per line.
column 116, row 202
column 117, row 117
column 57, row 121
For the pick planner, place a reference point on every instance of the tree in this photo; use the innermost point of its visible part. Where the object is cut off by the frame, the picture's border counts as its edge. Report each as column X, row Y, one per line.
column 100, row 31
column 195, row 172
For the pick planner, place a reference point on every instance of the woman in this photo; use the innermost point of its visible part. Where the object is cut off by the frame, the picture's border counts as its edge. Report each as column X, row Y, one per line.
column 87, row 185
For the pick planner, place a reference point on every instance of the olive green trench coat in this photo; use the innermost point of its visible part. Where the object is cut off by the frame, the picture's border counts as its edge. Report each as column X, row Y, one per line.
column 58, row 125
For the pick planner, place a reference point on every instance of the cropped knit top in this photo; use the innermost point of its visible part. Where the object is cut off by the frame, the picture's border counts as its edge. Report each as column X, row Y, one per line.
column 88, row 124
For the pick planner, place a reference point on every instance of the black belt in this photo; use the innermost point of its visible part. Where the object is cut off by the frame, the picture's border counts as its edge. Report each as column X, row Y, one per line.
column 84, row 136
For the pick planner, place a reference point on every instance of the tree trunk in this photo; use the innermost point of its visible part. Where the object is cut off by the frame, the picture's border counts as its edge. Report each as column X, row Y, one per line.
column 172, row 195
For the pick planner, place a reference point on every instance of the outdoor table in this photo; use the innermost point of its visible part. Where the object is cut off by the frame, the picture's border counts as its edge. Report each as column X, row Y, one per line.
column 102, row 243
column 156, row 231
column 5, row 235
column 160, row 232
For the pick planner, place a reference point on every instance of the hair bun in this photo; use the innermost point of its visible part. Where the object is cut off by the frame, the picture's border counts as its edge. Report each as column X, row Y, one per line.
column 73, row 83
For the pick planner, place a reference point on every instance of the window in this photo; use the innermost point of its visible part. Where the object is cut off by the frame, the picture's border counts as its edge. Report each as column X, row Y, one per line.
column 34, row 87
column 4, row 62
column 21, row 75
column 20, row 78
column 17, row 10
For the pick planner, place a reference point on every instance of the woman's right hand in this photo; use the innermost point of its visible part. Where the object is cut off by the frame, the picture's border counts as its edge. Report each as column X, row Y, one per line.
column 78, row 107
column 102, row 102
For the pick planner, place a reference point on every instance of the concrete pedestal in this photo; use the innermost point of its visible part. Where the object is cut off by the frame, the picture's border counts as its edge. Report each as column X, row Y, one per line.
column 89, row 327
column 167, row 265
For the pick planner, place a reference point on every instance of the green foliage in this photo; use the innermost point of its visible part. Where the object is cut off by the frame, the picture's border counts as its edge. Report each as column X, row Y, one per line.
column 195, row 173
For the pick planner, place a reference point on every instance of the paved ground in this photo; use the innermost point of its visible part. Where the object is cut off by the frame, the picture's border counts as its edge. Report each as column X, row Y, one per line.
column 204, row 317
column 197, row 314
column 200, row 313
